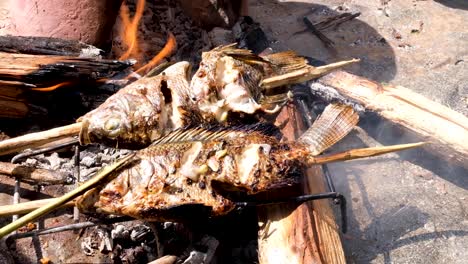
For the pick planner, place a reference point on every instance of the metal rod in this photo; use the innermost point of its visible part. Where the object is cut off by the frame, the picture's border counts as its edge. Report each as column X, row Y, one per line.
column 76, row 212
column 28, row 154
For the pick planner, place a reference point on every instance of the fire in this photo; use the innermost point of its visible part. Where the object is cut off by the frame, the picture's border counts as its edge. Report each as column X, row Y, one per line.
column 129, row 30
column 51, row 88
column 129, row 34
column 166, row 51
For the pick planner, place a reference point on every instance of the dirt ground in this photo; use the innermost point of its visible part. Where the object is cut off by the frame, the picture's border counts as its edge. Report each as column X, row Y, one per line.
column 408, row 208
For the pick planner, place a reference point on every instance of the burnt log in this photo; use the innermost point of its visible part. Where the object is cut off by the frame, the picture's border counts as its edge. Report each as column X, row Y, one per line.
column 306, row 233
column 46, row 46
column 43, row 70
column 444, row 129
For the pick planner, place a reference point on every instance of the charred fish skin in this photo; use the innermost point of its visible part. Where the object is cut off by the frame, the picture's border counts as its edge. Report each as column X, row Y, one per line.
column 191, row 172
column 228, row 79
column 142, row 111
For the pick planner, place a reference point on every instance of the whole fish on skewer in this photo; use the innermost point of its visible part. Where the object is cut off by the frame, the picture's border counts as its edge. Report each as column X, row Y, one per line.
column 143, row 111
column 193, row 169
column 231, row 80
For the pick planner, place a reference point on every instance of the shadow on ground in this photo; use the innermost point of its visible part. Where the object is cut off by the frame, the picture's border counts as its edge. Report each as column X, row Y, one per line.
column 459, row 4
column 353, row 39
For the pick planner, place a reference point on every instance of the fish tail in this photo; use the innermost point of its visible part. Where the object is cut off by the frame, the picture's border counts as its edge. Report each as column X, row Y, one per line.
column 286, row 61
column 332, row 125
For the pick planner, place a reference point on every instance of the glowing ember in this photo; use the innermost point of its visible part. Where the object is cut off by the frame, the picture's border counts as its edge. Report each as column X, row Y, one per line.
column 51, row 88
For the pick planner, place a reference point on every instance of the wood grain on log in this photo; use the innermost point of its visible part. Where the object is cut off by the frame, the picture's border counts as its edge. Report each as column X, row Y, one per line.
column 445, row 129
column 306, row 233
column 45, row 70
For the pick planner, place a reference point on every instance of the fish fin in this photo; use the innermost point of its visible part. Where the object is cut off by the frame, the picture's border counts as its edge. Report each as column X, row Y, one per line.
column 286, row 61
column 332, row 125
column 214, row 132
column 244, row 55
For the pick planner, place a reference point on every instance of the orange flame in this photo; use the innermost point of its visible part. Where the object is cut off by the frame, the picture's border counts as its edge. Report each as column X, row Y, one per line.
column 51, row 88
column 165, row 52
column 129, row 30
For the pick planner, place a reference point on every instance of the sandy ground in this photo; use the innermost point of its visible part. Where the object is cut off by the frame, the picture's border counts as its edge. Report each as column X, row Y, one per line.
column 402, row 209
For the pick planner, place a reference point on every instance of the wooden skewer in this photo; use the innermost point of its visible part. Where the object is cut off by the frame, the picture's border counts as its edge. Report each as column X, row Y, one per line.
column 362, row 153
column 101, row 175
column 31, row 174
column 32, row 140
column 303, row 75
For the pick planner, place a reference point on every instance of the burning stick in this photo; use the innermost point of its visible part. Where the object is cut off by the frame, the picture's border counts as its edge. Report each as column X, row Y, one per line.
column 446, row 129
column 29, row 174
column 100, row 176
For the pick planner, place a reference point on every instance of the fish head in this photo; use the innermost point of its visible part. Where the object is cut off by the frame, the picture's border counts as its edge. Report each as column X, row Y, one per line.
column 105, row 126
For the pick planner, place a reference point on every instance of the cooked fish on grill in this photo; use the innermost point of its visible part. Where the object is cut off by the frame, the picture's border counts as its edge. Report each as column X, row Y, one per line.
column 196, row 168
column 142, row 111
column 229, row 79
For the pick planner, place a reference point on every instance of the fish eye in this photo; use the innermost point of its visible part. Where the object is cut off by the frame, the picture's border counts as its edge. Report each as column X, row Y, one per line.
column 201, row 74
column 112, row 124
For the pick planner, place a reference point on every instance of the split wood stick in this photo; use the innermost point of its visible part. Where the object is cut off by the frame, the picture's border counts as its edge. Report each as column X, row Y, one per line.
column 56, row 203
column 445, row 129
column 32, row 140
column 33, row 175
column 306, row 233
column 27, row 207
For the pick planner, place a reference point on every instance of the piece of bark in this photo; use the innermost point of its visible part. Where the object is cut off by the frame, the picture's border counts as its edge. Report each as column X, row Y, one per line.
column 34, row 175
column 32, row 140
column 46, row 46
column 444, row 129
column 47, row 70
column 304, row 234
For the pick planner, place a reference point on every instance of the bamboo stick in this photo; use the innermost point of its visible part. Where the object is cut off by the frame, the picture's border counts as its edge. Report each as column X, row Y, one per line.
column 101, row 175
column 27, row 207
column 32, row 140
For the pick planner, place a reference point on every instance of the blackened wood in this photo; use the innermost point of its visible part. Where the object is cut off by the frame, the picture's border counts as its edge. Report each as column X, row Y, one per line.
column 45, row 46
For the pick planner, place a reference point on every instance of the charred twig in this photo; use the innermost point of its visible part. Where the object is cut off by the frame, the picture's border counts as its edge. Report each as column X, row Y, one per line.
column 101, row 175
column 34, row 175
column 45, row 46
column 328, row 42
column 335, row 20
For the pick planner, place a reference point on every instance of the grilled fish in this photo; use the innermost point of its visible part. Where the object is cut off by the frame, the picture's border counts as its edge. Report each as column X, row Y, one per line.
column 191, row 169
column 142, row 111
column 229, row 80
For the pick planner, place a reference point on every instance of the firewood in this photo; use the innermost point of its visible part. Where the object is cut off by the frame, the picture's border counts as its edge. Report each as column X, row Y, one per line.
column 445, row 129
column 32, row 140
column 45, row 70
column 45, row 46
column 33, row 175
column 304, row 234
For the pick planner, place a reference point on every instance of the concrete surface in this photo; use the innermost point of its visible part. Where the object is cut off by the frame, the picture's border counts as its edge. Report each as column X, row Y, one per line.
column 408, row 208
